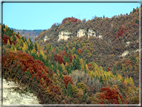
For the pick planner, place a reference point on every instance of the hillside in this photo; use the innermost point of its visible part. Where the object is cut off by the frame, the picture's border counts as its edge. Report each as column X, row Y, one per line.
column 28, row 33
column 120, row 36
column 80, row 70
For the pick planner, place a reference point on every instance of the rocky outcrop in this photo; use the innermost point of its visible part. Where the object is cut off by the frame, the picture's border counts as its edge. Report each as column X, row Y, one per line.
column 91, row 33
column 64, row 35
column 81, row 33
column 46, row 38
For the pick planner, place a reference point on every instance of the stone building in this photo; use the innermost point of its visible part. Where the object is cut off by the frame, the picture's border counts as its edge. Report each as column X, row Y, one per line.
column 64, row 35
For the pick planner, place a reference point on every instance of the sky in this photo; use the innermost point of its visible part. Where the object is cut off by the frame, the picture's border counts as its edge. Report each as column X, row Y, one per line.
column 33, row 16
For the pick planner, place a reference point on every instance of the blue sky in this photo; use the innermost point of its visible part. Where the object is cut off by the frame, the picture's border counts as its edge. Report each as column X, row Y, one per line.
column 43, row 15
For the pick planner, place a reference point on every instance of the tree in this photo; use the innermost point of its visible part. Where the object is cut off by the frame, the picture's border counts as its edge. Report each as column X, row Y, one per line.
column 69, row 88
column 52, row 57
column 131, row 81
column 123, row 69
column 114, row 69
column 30, row 46
column 8, row 43
column 84, row 96
column 64, row 91
column 77, row 63
column 35, row 46
column 87, row 69
column 119, row 100
column 60, row 69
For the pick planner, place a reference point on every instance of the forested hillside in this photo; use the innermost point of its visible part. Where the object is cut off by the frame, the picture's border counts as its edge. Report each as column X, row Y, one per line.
column 28, row 33
column 80, row 70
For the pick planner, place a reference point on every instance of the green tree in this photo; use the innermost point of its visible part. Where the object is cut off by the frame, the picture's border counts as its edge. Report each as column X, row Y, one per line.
column 84, row 96
column 60, row 68
column 64, row 91
column 78, row 63
column 69, row 88
column 119, row 100
column 114, row 69
column 35, row 46
column 52, row 58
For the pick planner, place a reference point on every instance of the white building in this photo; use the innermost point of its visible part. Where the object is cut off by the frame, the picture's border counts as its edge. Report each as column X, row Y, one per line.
column 91, row 33
column 81, row 33
column 64, row 35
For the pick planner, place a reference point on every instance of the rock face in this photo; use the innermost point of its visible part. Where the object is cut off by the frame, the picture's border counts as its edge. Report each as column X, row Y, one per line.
column 91, row 33
column 12, row 96
column 64, row 35
column 81, row 33
column 46, row 38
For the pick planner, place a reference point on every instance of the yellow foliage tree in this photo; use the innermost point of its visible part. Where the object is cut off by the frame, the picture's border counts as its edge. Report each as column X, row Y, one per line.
column 15, row 50
column 19, row 35
column 8, row 42
column 25, row 47
column 37, row 45
column 6, row 27
column 93, row 64
column 82, row 66
column 37, row 54
column 131, row 81
column 87, row 69
column 63, row 67
column 81, row 61
column 11, row 48
column 96, row 73
column 57, row 64
column 125, row 81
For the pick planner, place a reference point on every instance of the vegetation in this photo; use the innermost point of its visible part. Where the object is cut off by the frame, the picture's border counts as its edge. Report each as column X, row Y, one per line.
column 82, row 70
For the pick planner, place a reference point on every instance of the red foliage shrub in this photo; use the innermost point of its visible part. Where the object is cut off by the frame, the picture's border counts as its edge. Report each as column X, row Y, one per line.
column 70, row 19
column 56, row 89
column 66, row 79
column 128, row 62
column 59, row 58
column 74, row 57
column 120, row 32
column 51, row 73
column 79, row 51
column 108, row 69
column 111, row 95
column 89, row 65
column 5, row 39
column 70, row 57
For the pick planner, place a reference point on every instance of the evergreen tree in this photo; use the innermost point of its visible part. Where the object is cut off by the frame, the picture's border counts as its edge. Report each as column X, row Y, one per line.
column 54, row 68
column 35, row 46
column 123, row 69
column 69, row 88
column 133, row 68
column 114, row 69
column 84, row 96
column 119, row 100
column 74, row 64
column 78, row 63
column 64, row 91
column 52, row 57
column 60, row 69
